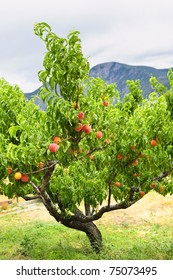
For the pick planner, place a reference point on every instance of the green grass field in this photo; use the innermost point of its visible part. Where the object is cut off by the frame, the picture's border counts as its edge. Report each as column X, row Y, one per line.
column 41, row 240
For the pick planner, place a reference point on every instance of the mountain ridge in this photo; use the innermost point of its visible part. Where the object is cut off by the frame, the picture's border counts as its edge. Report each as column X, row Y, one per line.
column 119, row 73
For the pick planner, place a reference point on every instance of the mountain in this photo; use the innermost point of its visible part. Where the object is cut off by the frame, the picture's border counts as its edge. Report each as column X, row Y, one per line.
column 114, row 72
column 119, row 73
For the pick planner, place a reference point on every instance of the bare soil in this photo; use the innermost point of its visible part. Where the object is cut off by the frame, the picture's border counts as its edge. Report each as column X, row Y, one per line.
column 152, row 208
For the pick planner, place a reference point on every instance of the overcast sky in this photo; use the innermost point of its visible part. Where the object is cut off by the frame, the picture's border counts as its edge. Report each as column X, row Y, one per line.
column 135, row 32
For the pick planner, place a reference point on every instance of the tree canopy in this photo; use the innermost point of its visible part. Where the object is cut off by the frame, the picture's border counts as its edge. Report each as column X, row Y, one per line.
column 105, row 153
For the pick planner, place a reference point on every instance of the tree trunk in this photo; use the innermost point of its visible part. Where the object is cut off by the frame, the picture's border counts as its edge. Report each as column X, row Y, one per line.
column 91, row 231
column 89, row 228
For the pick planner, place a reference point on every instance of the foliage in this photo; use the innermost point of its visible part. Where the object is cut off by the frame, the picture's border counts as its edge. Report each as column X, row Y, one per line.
column 85, row 168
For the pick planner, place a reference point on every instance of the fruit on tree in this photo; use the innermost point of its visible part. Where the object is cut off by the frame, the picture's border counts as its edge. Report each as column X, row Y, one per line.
column 25, row 178
column 78, row 127
column 92, row 157
column 56, row 139
column 153, row 185
column 9, row 170
column 119, row 157
column 17, row 176
column 105, row 103
column 153, row 143
column 86, row 128
column 135, row 162
column 99, row 134
column 141, row 193
column 53, row 147
column 118, row 184
column 41, row 165
column 80, row 115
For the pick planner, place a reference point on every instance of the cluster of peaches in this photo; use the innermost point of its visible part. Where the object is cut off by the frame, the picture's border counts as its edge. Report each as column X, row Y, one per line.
column 86, row 128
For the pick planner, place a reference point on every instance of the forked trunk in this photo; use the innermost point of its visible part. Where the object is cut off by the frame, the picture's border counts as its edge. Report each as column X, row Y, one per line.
column 89, row 228
column 91, row 231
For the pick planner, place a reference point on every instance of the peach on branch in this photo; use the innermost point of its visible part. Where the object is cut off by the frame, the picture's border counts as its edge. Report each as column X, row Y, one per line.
column 135, row 162
column 53, row 147
column 141, row 193
column 78, row 127
column 80, row 115
column 25, row 178
column 119, row 157
column 40, row 164
column 105, row 103
column 56, row 139
column 86, row 128
column 9, row 170
column 17, row 176
column 118, row 184
column 92, row 157
column 99, row 134
column 153, row 143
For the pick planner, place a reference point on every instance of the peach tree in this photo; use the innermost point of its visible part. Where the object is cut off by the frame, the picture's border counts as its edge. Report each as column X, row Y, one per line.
column 89, row 152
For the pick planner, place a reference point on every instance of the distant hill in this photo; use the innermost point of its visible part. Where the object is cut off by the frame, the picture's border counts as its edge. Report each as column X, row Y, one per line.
column 119, row 73
column 114, row 72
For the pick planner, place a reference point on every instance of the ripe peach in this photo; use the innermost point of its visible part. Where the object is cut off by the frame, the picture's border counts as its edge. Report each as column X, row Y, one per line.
column 80, row 115
column 118, row 184
column 99, row 134
column 105, row 103
column 9, row 170
column 25, row 178
column 141, row 193
column 92, row 157
column 86, row 128
column 153, row 143
column 119, row 157
column 53, row 147
column 135, row 162
column 17, row 176
column 41, row 164
column 56, row 139
column 78, row 127
column 153, row 185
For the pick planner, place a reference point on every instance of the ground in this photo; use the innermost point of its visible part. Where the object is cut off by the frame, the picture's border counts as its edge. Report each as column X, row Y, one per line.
column 152, row 208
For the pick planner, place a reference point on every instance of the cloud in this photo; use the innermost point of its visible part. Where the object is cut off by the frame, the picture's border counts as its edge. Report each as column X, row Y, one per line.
column 127, row 31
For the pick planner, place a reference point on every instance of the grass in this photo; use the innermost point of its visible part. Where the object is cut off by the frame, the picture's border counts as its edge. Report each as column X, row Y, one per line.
column 40, row 240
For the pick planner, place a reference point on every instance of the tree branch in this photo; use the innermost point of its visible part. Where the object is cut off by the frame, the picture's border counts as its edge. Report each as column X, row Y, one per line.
column 47, row 175
column 85, row 219
column 53, row 163
column 162, row 175
column 50, row 206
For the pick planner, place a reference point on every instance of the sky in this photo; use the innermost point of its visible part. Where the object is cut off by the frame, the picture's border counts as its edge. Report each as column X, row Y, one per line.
column 134, row 32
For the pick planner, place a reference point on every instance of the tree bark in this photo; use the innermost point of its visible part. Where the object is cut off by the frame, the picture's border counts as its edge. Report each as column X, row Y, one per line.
column 91, row 230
